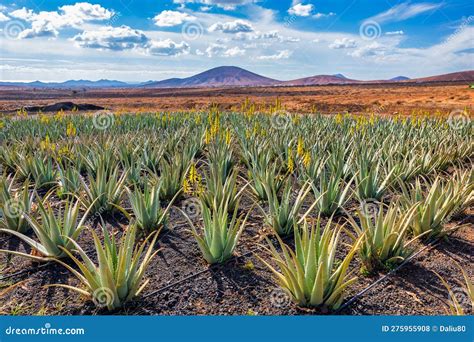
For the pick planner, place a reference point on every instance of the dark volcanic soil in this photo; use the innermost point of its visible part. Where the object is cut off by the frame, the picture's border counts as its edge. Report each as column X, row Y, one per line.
column 181, row 283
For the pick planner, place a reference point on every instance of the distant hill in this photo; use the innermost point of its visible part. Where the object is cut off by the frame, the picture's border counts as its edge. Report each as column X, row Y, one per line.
column 321, row 80
column 399, row 78
column 70, row 84
column 223, row 76
column 462, row 76
column 231, row 76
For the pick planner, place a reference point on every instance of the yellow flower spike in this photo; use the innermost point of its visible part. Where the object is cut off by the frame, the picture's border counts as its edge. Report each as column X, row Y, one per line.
column 291, row 164
column 44, row 119
column 307, row 159
column 187, row 187
column 228, row 137
column 207, row 137
column 193, row 174
column 197, row 119
column 300, row 147
column 248, row 134
column 338, row 119
column 70, row 130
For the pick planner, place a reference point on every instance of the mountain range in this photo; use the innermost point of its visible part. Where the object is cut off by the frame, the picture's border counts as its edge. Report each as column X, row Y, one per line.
column 232, row 76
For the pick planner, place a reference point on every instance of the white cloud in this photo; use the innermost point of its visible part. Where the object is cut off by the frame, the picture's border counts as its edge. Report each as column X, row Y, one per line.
column 167, row 47
column 395, row 33
column 344, row 43
column 112, row 38
column 284, row 54
column 323, row 15
column 234, row 52
column 370, row 50
column 84, row 11
column 172, row 18
column 3, row 17
column 246, row 36
column 301, row 10
column 22, row 13
column 290, row 40
column 48, row 23
column 404, row 11
column 236, row 26
column 215, row 49
column 225, row 4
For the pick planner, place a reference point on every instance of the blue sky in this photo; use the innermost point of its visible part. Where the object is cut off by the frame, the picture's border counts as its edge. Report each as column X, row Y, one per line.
column 139, row 40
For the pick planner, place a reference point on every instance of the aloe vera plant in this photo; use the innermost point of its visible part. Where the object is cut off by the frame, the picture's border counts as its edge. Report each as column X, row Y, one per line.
column 383, row 236
column 118, row 277
column 43, row 172
column 220, row 233
column 146, row 207
column 69, row 182
column 222, row 191
column 310, row 273
column 172, row 175
column 283, row 212
column 104, row 191
column 331, row 192
column 14, row 204
column 436, row 207
column 371, row 179
column 53, row 231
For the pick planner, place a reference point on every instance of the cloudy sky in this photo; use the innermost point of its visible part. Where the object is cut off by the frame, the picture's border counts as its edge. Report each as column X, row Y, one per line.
column 140, row 40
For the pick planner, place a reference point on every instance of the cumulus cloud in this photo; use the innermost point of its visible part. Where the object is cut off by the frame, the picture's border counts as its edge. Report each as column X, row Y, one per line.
column 221, row 50
column 344, row 43
column 215, row 49
column 370, row 50
column 3, row 17
column 84, row 11
column 167, row 47
column 301, row 10
column 48, row 23
column 172, row 18
column 404, row 11
column 236, row 26
column 23, row 13
column 284, row 54
column 234, row 52
column 112, row 38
